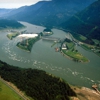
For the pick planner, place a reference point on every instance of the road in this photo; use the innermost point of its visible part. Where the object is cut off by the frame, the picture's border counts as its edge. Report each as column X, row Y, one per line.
column 23, row 97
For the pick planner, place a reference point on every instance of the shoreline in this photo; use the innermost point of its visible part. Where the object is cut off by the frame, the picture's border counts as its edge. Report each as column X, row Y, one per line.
column 23, row 49
column 72, row 58
column 82, row 92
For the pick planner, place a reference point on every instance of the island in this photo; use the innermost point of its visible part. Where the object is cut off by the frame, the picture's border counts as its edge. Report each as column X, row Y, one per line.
column 47, row 32
column 68, row 44
column 27, row 41
column 28, row 38
column 12, row 34
column 68, row 49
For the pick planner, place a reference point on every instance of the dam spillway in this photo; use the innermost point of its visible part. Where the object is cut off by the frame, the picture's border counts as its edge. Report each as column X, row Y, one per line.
column 50, row 38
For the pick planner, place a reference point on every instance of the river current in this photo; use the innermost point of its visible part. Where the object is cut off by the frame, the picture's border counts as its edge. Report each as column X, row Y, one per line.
column 44, row 57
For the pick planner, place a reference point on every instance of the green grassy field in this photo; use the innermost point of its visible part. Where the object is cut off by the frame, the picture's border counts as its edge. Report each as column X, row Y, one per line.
column 76, row 56
column 70, row 45
column 7, row 94
column 73, row 53
column 12, row 35
column 87, row 47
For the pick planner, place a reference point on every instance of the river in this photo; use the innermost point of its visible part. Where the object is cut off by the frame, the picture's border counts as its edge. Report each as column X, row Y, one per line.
column 44, row 57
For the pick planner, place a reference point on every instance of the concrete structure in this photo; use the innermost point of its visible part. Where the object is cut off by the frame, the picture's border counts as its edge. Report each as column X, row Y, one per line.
column 51, row 38
column 47, row 33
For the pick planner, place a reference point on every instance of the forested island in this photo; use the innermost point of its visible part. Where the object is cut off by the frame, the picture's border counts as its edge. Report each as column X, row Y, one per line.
column 36, row 83
column 47, row 32
column 27, row 44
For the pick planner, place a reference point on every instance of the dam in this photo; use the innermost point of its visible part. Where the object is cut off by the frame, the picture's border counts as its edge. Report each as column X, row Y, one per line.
column 50, row 38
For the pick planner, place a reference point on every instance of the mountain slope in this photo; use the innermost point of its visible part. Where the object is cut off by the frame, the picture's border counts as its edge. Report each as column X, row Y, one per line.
column 4, row 11
column 86, row 22
column 24, row 11
column 4, row 23
column 50, row 13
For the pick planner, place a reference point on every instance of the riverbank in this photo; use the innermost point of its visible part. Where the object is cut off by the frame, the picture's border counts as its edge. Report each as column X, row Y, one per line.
column 91, row 48
column 71, row 58
column 29, row 80
column 87, row 44
column 84, row 93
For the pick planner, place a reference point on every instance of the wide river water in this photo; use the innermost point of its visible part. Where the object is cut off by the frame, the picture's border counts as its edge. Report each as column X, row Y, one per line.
column 44, row 57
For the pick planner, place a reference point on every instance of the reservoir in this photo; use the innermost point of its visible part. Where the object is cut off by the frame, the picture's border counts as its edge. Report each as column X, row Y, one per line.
column 44, row 57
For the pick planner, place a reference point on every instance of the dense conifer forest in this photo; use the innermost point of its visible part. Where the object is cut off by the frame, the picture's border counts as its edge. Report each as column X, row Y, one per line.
column 86, row 22
column 36, row 83
column 5, row 23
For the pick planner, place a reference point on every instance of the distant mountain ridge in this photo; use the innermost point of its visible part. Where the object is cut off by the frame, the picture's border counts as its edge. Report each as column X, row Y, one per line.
column 23, row 11
column 4, row 11
column 59, row 12
column 49, row 13
column 87, row 22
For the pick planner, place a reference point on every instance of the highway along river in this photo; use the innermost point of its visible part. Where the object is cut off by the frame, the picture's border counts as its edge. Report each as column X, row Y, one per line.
column 44, row 57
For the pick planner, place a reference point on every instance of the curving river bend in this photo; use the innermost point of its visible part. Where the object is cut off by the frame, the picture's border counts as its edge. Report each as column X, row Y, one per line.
column 45, row 58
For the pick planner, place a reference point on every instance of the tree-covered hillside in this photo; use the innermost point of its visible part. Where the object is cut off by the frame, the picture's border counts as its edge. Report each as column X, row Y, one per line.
column 36, row 83
column 4, row 23
column 87, row 22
